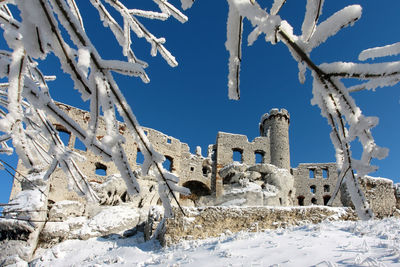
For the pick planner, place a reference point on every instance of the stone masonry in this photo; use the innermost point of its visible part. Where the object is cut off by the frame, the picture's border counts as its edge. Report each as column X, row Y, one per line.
column 275, row 126
column 255, row 175
column 307, row 184
column 315, row 182
column 206, row 222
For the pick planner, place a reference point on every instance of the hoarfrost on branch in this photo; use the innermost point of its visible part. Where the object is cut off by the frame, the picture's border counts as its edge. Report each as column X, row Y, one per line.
column 25, row 97
column 329, row 93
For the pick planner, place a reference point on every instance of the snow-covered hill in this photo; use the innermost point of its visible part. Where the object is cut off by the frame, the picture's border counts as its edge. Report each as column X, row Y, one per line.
column 371, row 243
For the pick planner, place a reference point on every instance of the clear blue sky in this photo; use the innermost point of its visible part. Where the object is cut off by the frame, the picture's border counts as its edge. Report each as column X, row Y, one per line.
column 190, row 102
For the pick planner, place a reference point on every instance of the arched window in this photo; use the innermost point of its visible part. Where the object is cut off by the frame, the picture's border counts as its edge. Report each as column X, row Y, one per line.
column 197, row 190
column 101, row 169
column 237, row 155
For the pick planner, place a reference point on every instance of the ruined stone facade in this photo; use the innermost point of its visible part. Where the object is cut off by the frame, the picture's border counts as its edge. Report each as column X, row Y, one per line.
column 263, row 162
column 315, row 182
column 380, row 193
column 235, row 172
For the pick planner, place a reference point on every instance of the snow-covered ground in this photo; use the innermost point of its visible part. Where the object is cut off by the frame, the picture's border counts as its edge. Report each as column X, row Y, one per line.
column 372, row 243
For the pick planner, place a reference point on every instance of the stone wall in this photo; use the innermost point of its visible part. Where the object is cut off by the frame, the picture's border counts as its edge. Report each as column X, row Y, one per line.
column 229, row 144
column 315, row 182
column 380, row 194
column 397, row 195
column 208, row 222
column 197, row 172
column 180, row 161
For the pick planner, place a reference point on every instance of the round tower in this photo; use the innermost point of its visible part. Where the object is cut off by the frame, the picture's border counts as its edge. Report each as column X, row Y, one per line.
column 275, row 125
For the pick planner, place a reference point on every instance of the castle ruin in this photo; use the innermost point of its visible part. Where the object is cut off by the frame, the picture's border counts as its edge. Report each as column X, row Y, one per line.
column 213, row 179
column 254, row 179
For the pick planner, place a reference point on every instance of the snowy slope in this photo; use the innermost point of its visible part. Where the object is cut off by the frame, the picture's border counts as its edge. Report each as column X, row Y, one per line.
column 371, row 243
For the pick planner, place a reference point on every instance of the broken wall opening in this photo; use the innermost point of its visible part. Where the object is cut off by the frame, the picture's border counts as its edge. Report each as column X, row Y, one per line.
column 63, row 133
column 168, row 164
column 101, row 169
column 197, row 190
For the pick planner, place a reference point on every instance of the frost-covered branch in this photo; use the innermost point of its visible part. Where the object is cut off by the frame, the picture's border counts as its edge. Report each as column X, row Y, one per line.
column 41, row 31
column 343, row 115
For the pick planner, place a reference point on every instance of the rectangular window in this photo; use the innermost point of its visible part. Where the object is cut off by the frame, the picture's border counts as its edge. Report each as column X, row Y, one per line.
column 313, row 189
column 237, row 155
column 311, row 173
column 259, row 155
column 325, row 173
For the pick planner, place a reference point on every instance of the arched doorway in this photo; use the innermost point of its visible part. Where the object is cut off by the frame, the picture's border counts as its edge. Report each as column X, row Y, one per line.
column 197, row 189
